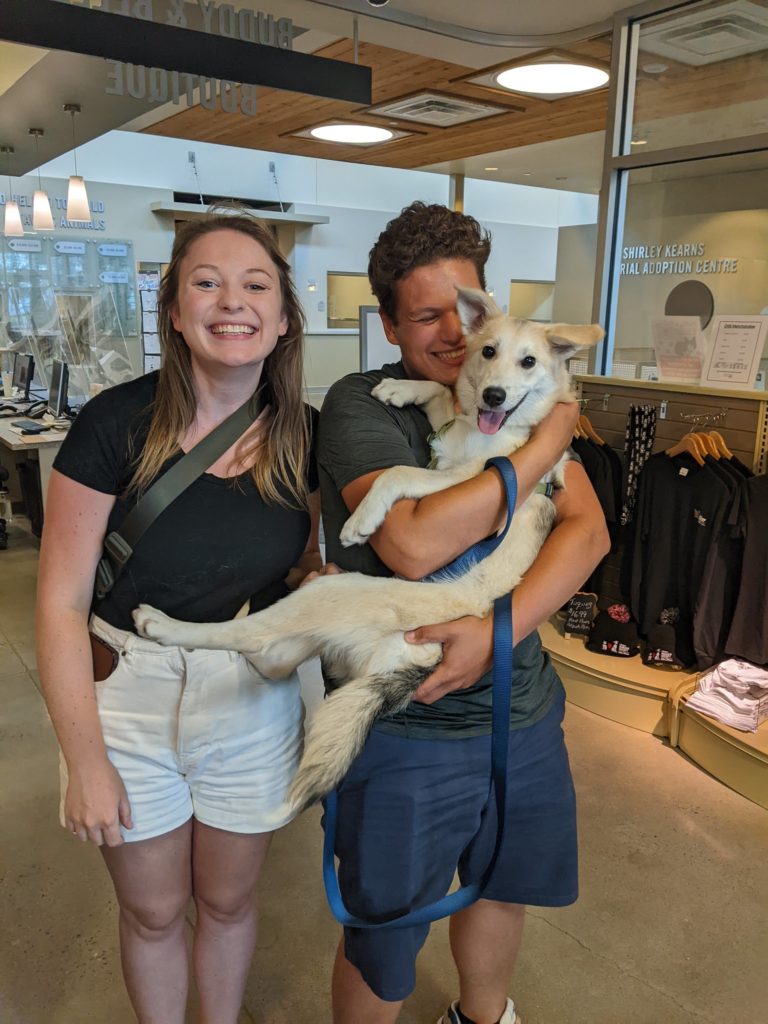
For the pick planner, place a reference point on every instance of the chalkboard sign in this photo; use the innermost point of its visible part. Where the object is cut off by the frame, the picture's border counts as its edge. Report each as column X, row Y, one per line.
column 579, row 614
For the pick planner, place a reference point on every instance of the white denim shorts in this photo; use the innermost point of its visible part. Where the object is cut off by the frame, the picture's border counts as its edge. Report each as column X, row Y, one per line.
column 196, row 733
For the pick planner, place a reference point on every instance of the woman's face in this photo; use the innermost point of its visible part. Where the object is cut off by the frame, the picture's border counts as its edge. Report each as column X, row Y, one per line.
column 229, row 305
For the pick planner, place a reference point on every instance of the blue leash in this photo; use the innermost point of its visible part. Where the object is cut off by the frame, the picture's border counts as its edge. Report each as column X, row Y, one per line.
column 502, row 679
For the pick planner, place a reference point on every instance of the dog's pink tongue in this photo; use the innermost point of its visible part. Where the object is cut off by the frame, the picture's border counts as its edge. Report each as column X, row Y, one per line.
column 489, row 422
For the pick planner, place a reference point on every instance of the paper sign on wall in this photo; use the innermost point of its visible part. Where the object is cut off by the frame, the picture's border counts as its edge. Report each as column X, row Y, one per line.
column 679, row 348
column 735, row 350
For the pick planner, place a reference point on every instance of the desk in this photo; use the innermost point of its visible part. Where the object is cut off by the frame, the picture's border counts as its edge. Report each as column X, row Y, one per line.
column 40, row 448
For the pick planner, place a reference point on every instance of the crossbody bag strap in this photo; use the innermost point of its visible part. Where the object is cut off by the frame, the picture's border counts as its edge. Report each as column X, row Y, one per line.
column 502, row 697
column 120, row 544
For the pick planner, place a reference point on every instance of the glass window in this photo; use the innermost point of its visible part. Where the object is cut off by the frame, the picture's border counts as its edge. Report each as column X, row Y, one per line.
column 702, row 75
column 346, row 294
column 532, row 300
column 694, row 246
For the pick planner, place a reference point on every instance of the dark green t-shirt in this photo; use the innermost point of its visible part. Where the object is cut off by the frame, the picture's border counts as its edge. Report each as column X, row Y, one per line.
column 359, row 435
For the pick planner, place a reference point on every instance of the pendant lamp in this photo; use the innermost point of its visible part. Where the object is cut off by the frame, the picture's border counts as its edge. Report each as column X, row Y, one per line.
column 77, row 197
column 13, row 225
column 42, row 218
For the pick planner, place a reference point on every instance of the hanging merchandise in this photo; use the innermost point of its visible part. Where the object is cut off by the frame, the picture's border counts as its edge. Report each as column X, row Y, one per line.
column 639, row 437
column 735, row 693
column 684, row 508
column 748, row 634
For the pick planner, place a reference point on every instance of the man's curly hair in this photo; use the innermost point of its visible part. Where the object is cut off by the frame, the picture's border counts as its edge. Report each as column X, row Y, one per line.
column 422, row 234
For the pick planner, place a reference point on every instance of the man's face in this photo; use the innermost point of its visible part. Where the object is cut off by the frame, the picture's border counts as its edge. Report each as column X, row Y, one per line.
column 427, row 326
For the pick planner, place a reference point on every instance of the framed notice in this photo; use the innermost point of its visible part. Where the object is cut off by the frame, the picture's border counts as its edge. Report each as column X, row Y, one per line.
column 679, row 348
column 735, row 350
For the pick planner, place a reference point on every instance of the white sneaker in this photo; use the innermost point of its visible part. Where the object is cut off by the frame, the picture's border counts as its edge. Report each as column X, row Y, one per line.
column 451, row 1015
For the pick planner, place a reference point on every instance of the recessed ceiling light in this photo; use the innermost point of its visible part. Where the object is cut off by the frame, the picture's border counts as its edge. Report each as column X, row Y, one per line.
column 552, row 77
column 353, row 134
column 639, row 142
column 655, row 68
column 490, row 168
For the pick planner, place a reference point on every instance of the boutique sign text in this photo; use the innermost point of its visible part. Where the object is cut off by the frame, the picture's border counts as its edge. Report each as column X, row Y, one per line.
column 673, row 258
column 157, row 85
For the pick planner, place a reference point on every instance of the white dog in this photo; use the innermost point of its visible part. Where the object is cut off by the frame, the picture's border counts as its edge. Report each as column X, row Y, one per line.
column 513, row 374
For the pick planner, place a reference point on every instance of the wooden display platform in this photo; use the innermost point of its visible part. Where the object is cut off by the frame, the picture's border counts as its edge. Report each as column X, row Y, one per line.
column 738, row 759
column 622, row 689
column 654, row 701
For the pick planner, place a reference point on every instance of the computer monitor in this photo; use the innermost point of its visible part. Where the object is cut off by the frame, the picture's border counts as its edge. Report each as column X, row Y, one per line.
column 23, row 372
column 57, row 388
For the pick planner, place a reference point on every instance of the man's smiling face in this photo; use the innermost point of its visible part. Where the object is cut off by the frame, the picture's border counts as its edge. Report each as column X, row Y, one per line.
column 427, row 328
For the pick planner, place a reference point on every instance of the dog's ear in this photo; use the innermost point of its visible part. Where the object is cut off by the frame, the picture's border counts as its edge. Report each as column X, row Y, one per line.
column 475, row 307
column 566, row 339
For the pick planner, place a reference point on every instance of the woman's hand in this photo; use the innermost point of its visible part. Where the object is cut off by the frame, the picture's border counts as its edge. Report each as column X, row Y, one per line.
column 467, row 655
column 97, row 804
column 329, row 569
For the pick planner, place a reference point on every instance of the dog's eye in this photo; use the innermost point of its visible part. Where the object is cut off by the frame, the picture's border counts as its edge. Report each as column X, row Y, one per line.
column 528, row 362
column 488, row 351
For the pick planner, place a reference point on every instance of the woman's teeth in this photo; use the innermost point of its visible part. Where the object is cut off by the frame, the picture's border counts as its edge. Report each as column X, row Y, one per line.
column 232, row 329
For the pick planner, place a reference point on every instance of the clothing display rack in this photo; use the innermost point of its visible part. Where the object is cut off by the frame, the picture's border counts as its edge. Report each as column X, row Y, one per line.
column 625, row 690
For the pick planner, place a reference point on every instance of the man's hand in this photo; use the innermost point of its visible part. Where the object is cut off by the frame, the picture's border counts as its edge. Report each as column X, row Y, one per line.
column 555, row 432
column 467, row 655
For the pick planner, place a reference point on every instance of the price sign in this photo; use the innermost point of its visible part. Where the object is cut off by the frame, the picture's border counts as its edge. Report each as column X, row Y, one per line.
column 580, row 612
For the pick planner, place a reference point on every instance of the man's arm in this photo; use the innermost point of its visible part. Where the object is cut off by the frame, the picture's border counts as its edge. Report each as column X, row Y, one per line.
column 418, row 537
column 569, row 555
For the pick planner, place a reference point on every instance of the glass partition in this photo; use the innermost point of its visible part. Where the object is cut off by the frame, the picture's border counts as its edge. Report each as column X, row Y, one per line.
column 701, row 75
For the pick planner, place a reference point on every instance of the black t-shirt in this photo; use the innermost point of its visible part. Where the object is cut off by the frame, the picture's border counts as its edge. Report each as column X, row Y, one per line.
column 211, row 549
column 748, row 637
column 358, row 435
column 680, row 511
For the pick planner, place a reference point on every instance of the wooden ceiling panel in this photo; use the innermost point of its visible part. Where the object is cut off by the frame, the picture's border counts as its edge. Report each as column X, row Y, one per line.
column 397, row 75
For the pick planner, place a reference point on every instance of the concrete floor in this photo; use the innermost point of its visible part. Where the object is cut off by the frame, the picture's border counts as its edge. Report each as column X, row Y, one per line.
column 670, row 927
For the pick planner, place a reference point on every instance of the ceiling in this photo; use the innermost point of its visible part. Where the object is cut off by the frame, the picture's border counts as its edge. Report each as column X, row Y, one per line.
column 410, row 45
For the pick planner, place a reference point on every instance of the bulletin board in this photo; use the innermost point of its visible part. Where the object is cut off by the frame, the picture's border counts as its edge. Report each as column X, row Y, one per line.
column 375, row 350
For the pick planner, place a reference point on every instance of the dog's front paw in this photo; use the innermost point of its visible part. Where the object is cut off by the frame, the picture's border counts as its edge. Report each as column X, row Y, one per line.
column 154, row 625
column 394, row 392
column 365, row 520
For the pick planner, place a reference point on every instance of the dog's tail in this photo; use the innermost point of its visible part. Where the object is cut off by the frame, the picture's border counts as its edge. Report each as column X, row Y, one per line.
column 340, row 727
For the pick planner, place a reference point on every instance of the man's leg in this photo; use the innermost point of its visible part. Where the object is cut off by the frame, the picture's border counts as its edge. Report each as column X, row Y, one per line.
column 485, row 939
column 353, row 1000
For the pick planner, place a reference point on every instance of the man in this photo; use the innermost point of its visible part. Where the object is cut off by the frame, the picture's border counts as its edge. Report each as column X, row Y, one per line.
column 413, row 805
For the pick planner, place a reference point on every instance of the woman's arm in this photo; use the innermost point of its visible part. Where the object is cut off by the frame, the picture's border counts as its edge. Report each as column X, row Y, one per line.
column 311, row 560
column 75, row 523
column 418, row 537
column 568, row 556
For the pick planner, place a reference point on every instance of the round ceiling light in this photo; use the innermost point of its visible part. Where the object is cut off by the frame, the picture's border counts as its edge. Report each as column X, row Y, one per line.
column 552, row 78
column 353, row 134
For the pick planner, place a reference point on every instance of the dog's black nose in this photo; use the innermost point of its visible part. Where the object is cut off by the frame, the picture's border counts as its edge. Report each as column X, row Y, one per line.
column 494, row 397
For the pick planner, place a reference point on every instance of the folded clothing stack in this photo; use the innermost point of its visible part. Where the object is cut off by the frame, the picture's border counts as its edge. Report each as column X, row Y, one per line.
column 734, row 692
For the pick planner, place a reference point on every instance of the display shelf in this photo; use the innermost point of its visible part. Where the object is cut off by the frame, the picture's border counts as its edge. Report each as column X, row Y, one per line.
column 622, row 689
column 737, row 759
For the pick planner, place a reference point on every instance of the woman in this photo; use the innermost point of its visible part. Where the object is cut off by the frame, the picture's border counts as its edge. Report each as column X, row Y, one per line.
column 172, row 764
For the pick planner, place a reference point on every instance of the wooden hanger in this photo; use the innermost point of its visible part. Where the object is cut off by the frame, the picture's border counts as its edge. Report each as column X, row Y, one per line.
column 688, row 443
column 721, row 445
column 708, row 444
column 588, row 430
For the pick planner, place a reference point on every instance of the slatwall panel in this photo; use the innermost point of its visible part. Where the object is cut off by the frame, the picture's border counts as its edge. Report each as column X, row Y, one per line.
column 741, row 416
column 742, row 421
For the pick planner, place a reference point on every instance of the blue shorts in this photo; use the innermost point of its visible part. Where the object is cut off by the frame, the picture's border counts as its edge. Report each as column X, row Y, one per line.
column 410, row 812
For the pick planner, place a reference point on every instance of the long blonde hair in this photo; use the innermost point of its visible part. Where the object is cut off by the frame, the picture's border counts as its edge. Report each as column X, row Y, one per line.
column 282, row 446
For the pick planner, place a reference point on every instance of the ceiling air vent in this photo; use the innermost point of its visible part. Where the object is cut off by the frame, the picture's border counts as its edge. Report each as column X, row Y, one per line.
column 704, row 37
column 437, row 109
